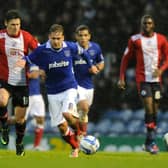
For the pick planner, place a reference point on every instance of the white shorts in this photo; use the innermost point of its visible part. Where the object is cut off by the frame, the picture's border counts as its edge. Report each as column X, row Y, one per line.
column 36, row 106
column 84, row 94
column 59, row 103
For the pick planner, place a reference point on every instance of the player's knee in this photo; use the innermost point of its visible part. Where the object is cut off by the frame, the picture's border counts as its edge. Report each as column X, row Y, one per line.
column 63, row 128
column 68, row 117
column 4, row 96
column 40, row 120
column 85, row 109
column 40, row 125
column 83, row 117
column 20, row 117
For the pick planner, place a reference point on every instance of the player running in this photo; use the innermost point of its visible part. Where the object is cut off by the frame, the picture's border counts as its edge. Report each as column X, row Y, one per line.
column 150, row 50
column 83, row 76
column 55, row 59
column 36, row 107
column 14, row 44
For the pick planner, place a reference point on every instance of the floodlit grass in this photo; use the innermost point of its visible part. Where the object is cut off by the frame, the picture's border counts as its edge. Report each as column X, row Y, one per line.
column 59, row 159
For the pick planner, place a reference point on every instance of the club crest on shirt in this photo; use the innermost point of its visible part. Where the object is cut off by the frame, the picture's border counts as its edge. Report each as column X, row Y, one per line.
column 149, row 43
column 14, row 44
column 91, row 52
column 67, row 53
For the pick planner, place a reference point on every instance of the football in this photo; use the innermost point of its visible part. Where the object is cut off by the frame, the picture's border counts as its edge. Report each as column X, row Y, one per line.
column 89, row 144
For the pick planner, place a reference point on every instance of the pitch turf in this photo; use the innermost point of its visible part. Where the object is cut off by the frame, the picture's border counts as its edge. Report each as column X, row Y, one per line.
column 59, row 159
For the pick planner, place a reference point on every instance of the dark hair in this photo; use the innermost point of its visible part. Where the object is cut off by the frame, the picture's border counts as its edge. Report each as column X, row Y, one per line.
column 147, row 17
column 56, row 28
column 82, row 27
column 12, row 14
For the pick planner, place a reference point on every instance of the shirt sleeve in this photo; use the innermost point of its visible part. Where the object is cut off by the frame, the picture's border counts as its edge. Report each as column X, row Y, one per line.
column 128, row 54
column 164, row 50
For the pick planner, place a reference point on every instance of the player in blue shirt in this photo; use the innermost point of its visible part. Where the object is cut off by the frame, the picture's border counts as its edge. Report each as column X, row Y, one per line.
column 36, row 107
column 83, row 76
column 55, row 59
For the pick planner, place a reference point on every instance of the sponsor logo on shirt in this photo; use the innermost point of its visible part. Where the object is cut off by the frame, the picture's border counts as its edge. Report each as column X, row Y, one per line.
column 92, row 52
column 58, row 64
column 67, row 53
column 80, row 62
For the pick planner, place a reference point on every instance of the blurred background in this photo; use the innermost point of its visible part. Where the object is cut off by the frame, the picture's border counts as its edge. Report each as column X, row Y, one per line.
column 114, row 112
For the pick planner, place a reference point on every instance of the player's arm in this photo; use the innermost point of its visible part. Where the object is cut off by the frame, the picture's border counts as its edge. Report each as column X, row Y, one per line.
column 95, row 69
column 36, row 73
column 33, row 72
column 100, row 66
column 164, row 50
column 85, row 55
column 42, row 75
column 124, row 63
column 24, row 60
column 99, row 62
column 33, row 42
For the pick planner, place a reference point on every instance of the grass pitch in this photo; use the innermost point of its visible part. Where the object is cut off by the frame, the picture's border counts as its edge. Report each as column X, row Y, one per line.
column 60, row 159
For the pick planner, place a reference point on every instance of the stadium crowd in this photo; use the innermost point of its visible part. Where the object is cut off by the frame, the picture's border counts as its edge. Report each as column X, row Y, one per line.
column 111, row 23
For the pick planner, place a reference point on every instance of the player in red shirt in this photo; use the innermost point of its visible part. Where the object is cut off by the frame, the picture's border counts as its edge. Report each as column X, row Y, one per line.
column 150, row 50
column 14, row 44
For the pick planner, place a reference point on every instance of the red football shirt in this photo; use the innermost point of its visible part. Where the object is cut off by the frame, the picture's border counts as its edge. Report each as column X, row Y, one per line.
column 12, row 49
column 149, row 53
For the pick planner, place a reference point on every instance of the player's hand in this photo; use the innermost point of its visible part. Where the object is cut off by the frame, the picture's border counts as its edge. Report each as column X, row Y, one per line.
column 157, row 73
column 33, row 74
column 42, row 74
column 20, row 63
column 94, row 70
column 121, row 84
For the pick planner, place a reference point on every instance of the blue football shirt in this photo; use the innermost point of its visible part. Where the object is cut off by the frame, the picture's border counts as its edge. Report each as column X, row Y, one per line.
column 57, row 65
column 81, row 68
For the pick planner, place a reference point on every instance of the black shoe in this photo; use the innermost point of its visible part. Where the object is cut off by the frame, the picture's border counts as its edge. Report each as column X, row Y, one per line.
column 20, row 150
column 4, row 136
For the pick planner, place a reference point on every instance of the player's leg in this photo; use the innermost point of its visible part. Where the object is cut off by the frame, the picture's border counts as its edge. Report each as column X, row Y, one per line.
column 38, row 132
column 20, row 127
column 156, row 90
column 56, row 106
column 69, row 136
column 73, row 122
column 149, row 122
column 20, row 102
column 85, row 100
column 68, row 109
column 4, row 97
column 148, row 102
column 37, row 110
column 156, row 95
column 83, row 109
